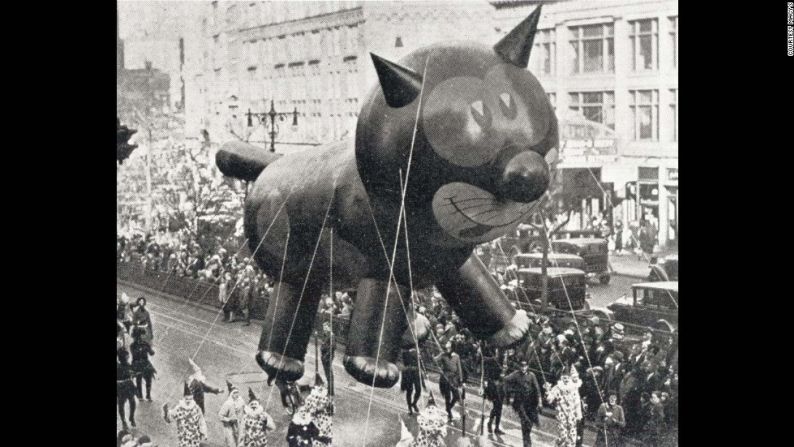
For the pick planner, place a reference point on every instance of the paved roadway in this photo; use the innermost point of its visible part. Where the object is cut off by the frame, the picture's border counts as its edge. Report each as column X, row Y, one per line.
column 602, row 295
column 226, row 350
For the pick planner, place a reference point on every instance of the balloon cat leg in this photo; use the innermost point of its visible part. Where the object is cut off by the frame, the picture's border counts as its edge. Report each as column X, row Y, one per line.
column 365, row 332
column 477, row 300
column 281, row 350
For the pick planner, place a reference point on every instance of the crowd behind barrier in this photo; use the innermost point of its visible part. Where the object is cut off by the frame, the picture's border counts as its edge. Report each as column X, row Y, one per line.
column 643, row 375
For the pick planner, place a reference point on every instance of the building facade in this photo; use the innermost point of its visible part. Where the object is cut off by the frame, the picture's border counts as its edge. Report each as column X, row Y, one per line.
column 312, row 57
column 610, row 68
column 611, row 71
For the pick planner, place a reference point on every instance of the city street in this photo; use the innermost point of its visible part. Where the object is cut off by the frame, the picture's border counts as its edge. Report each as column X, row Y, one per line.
column 602, row 295
column 226, row 351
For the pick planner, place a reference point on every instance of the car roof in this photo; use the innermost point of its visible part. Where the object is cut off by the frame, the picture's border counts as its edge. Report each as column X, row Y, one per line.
column 660, row 285
column 581, row 240
column 553, row 271
column 551, row 255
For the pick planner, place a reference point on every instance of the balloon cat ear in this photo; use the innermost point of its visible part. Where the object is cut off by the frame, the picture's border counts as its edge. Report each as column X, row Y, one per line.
column 400, row 85
column 517, row 44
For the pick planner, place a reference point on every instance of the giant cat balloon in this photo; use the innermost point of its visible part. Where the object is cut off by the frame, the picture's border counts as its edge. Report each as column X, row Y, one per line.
column 477, row 169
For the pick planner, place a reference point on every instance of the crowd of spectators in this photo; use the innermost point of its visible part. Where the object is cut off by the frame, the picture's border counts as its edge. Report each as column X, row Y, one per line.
column 643, row 373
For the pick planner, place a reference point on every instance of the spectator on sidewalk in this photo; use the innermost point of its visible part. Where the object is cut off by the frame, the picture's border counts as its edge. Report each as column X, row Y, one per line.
column 610, row 420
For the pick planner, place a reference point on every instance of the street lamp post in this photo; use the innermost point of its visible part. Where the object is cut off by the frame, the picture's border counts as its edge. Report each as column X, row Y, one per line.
column 272, row 114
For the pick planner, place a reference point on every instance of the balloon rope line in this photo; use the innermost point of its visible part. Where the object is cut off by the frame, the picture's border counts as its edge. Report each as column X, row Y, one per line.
column 215, row 320
column 534, row 347
column 198, row 282
column 220, row 311
column 184, row 304
column 306, row 280
column 578, row 330
column 411, row 283
column 275, row 309
column 388, row 263
column 171, row 272
column 394, row 251
column 332, row 341
column 405, row 312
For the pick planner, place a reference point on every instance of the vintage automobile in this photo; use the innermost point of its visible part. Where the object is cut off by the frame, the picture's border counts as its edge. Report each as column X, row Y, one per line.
column 665, row 269
column 564, row 284
column 574, row 234
column 651, row 304
column 535, row 260
column 594, row 251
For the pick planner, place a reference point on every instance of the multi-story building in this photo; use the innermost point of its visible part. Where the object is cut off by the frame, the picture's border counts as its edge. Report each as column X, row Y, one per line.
column 312, row 57
column 609, row 67
column 611, row 71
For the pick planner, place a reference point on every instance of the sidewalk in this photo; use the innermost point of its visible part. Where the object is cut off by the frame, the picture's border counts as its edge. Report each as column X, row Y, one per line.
column 631, row 265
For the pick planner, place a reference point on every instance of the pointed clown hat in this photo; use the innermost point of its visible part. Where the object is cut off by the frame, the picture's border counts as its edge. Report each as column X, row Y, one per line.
column 231, row 387
column 186, row 390
column 251, row 395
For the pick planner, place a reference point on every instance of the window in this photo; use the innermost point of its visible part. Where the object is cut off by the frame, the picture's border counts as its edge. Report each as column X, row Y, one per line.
column 545, row 50
column 593, row 48
column 595, row 106
column 674, row 112
column 645, row 114
column 644, row 35
column 651, row 174
column 674, row 39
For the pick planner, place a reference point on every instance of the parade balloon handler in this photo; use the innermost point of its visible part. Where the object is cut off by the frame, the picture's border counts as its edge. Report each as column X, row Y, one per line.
column 125, row 388
column 191, row 428
column 411, row 381
column 141, row 319
column 460, row 137
column 141, row 366
column 494, row 391
column 451, row 380
column 198, row 385
column 327, row 350
column 231, row 415
column 523, row 394
column 256, row 423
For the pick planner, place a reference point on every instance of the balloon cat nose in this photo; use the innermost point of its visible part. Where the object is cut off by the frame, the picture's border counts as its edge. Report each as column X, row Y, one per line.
column 525, row 177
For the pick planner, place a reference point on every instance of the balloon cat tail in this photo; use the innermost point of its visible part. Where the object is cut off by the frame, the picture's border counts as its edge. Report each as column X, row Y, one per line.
column 243, row 161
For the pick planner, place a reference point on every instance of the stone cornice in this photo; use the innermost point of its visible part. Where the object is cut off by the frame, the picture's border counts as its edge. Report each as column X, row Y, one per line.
column 338, row 18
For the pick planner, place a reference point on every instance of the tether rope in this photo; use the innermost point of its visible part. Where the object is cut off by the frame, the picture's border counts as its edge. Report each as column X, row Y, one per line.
column 215, row 320
column 394, row 251
column 578, row 330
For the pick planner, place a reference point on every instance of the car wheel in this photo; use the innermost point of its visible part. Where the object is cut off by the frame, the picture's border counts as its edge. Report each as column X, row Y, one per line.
column 604, row 279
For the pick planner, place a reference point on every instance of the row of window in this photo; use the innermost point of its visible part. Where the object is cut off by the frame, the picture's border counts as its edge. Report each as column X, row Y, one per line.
column 592, row 47
column 643, row 104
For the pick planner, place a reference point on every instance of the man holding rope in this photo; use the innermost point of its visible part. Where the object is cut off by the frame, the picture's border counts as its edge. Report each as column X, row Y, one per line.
column 451, row 380
column 523, row 393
